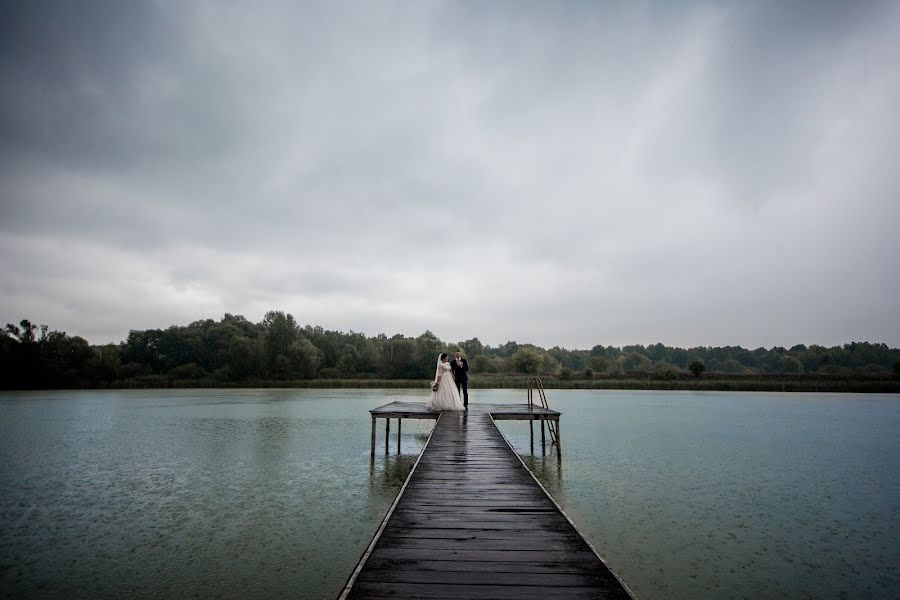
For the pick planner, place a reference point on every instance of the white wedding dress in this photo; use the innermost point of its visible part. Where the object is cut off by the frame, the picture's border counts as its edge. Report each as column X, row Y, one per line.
column 447, row 396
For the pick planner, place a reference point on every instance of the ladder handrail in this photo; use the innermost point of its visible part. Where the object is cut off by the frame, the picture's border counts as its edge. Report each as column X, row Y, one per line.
column 541, row 393
column 536, row 383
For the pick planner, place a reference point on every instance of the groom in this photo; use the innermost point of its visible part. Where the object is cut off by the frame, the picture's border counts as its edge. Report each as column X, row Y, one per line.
column 460, row 368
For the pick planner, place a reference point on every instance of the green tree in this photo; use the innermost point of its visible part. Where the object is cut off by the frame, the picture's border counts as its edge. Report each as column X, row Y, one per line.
column 599, row 363
column 143, row 348
column 791, row 365
column 280, row 332
column 428, row 347
column 188, row 371
column 303, row 359
column 527, row 360
column 241, row 360
column 484, row 363
column 26, row 334
column 634, row 361
column 108, row 361
column 697, row 367
column 398, row 359
column 472, row 348
column 730, row 365
column 65, row 356
column 348, row 363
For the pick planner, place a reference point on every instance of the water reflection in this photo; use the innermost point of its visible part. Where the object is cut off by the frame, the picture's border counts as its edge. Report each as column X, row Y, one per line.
column 390, row 471
column 546, row 468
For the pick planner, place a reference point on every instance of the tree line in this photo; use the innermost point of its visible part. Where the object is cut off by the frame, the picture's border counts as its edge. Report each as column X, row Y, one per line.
column 277, row 349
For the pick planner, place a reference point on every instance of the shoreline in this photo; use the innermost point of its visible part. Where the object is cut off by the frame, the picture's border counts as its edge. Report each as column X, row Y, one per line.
column 790, row 383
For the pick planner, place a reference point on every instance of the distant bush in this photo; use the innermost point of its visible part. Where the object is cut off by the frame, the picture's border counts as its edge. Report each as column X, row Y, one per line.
column 697, row 367
column 188, row 371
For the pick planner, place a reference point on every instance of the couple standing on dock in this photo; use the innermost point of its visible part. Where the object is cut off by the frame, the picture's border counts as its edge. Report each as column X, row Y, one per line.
column 450, row 378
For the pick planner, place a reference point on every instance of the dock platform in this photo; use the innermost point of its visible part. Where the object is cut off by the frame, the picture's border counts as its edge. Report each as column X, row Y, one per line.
column 471, row 521
column 499, row 412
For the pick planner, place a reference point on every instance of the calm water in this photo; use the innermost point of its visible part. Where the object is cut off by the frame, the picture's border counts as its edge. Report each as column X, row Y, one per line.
column 272, row 493
column 733, row 495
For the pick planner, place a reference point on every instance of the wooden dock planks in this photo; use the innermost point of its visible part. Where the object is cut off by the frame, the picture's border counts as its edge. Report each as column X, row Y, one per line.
column 471, row 522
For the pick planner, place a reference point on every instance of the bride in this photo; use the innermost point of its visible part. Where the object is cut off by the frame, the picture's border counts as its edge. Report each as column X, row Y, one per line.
column 446, row 397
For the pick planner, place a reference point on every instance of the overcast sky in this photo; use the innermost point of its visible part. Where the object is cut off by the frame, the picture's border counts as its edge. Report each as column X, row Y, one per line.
column 561, row 173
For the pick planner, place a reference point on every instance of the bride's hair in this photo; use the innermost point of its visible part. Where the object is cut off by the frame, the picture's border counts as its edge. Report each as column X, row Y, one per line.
column 437, row 367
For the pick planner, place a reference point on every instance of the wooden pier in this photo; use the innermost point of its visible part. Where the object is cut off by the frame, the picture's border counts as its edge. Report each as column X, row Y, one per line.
column 471, row 521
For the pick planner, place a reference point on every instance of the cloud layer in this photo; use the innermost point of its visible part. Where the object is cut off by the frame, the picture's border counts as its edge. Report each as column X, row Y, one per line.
column 568, row 173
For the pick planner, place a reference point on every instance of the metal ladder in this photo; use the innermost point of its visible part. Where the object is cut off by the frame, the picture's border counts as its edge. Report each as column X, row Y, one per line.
column 535, row 383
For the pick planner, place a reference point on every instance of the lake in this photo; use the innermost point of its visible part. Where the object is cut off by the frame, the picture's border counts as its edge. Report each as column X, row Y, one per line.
column 237, row 493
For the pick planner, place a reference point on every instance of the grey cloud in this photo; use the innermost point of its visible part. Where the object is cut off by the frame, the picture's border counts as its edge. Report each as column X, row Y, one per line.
column 563, row 173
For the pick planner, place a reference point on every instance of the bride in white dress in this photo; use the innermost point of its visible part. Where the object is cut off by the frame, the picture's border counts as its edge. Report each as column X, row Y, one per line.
column 446, row 397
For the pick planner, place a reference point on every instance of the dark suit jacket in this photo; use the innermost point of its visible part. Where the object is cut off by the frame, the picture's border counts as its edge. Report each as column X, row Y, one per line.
column 459, row 373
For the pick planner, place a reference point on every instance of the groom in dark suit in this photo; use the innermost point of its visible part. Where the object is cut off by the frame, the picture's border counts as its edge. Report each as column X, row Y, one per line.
column 460, row 368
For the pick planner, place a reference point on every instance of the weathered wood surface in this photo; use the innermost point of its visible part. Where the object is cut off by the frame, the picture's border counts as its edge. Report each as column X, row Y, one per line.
column 471, row 522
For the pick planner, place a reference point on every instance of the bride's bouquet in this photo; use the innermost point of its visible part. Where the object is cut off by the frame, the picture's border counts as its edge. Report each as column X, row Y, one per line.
column 434, row 386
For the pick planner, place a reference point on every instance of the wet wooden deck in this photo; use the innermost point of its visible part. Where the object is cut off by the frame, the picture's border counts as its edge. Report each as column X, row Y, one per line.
column 472, row 522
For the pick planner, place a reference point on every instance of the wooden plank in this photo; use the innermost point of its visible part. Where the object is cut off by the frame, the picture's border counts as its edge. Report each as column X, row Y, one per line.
column 469, row 499
column 489, row 531
column 530, row 556
column 435, row 477
column 478, row 542
column 458, row 512
column 484, row 578
column 487, row 487
column 485, row 528
column 509, row 521
column 479, row 566
column 525, row 534
column 472, row 592
column 488, row 483
column 482, row 489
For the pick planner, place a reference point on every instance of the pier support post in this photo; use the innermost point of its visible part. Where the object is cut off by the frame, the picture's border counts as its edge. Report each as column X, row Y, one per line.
column 387, row 435
column 373, row 436
column 399, row 425
column 543, row 440
column 531, row 431
column 558, row 444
